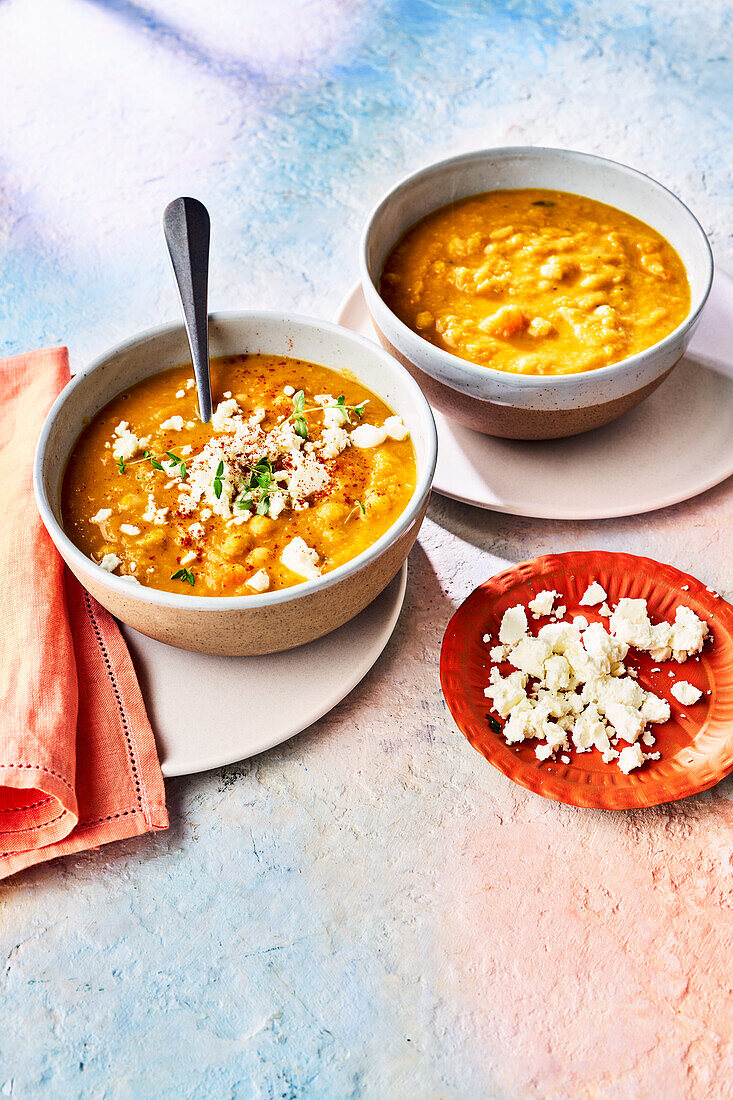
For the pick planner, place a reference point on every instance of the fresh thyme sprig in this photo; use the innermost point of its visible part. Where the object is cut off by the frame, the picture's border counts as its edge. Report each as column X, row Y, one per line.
column 300, row 412
column 180, row 463
column 360, row 508
column 358, row 410
column 184, row 575
column 300, row 424
column 154, row 462
column 255, row 496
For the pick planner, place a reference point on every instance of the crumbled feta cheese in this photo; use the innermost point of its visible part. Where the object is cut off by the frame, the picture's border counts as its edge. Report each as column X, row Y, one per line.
column 685, row 693
column 688, row 634
column 174, row 423
column 368, row 435
column 308, row 476
column 506, row 692
column 594, row 594
column 654, row 709
column 301, row 559
column 222, row 419
column 630, row 623
column 579, row 685
column 102, row 515
column 486, row 639
column 110, row 562
column 529, row 655
column 196, row 530
column 288, row 391
column 557, row 673
column 126, row 445
column 190, row 383
column 129, row 529
column 626, row 720
column 190, row 556
column 180, row 393
column 395, row 428
column 277, row 504
column 631, row 757
column 605, row 650
column 260, row 582
column 543, row 603
column 152, row 514
column 513, row 625
column 333, row 442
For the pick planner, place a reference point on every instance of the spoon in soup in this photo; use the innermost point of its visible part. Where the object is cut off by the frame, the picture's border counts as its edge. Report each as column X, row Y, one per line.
column 187, row 231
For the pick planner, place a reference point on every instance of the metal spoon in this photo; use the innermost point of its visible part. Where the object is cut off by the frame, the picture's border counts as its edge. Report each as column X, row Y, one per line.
column 187, row 230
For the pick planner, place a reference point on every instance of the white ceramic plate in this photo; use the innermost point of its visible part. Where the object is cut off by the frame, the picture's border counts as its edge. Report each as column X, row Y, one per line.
column 675, row 445
column 210, row 711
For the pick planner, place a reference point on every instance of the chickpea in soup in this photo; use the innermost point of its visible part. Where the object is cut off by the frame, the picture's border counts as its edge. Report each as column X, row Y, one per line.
column 300, row 469
column 536, row 282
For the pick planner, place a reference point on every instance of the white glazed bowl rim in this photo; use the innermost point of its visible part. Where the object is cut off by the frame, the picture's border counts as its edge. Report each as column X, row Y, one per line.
column 160, row 598
column 507, row 377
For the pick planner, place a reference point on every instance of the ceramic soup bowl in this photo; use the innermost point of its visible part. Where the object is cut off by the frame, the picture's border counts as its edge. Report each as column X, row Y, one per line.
column 520, row 406
column 240, row 625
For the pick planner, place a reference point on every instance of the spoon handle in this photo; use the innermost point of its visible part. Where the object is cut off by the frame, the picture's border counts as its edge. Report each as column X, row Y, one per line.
column 187, row 232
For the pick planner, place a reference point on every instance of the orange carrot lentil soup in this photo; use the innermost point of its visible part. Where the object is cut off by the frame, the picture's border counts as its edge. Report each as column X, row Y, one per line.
column 300, row 469
column 536, row 282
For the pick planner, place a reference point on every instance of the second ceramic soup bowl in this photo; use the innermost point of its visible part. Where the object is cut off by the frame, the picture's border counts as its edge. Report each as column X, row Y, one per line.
column 519, row 406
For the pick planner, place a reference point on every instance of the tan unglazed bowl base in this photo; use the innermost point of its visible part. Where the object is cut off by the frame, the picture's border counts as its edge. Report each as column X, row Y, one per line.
column 510, row 421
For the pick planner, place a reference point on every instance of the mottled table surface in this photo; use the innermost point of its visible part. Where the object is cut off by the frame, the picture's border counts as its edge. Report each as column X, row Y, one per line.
column 369, row 910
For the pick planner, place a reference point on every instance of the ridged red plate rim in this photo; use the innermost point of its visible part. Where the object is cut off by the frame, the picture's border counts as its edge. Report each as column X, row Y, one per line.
column 696, row 745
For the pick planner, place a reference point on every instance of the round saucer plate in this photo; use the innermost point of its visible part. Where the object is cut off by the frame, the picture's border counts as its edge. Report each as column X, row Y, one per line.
column 696, row 744
column 672, row 447
column 209, row 711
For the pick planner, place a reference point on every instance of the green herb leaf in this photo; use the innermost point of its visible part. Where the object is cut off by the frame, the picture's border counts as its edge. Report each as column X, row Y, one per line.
column 183, row 471
column 156, row 465
column 174, row 458
column 184, row 575
column 361, row 506
column 217, row 480
column 495, row 726
column 359, row 409
column 301, row 428
column 299, row 401
column 263, row 507
column 120, row 465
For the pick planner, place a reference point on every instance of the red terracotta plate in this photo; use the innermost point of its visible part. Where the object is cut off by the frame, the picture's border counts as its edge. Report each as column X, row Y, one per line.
column 696, row 745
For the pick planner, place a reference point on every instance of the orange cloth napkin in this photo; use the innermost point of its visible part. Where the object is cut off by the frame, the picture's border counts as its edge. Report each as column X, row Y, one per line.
column 78, row 765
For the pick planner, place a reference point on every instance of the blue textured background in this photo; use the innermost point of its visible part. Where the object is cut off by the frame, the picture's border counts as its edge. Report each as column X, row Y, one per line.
column 306, row 927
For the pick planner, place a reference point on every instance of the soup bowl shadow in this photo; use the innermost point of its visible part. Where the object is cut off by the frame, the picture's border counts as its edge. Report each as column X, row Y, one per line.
column 519, row 406
column 239, row 625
